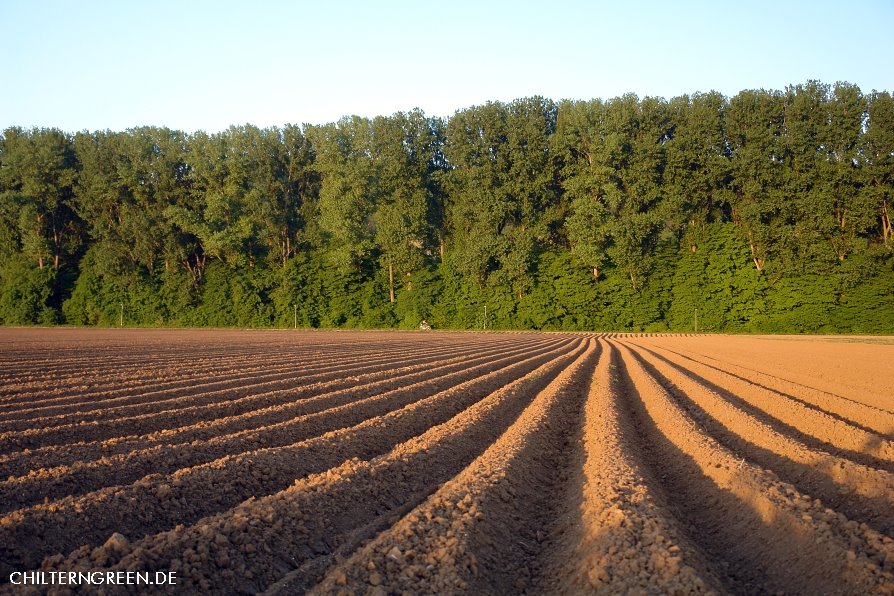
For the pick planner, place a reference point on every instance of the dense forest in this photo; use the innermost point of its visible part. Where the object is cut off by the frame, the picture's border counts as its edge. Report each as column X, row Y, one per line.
column 769, row 211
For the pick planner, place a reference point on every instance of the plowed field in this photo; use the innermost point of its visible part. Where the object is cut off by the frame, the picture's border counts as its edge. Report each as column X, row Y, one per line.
column 385, row 463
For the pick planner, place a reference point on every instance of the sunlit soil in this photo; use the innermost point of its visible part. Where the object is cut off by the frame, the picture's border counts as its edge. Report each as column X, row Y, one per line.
column 430, row 462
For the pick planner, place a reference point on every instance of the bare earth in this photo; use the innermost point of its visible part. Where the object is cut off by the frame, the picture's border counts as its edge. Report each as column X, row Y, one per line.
column 409, row 462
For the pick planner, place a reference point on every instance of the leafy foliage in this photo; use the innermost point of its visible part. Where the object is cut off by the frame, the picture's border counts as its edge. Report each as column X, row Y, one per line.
column 767, row 211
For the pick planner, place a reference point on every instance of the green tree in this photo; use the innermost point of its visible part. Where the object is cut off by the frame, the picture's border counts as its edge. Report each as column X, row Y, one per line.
column 581, row 144
column 220, row 215
column 877, row 149
column 347, row 179
column 614, row 175
column 39, row 170
column 849, row 215
column 38, row 228
column 758, row 201
column 404, row 153
column 697, row 169
column 127, row 182
column 503, row 188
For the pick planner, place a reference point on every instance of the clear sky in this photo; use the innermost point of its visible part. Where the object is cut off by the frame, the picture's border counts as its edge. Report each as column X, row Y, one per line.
column 204, row 65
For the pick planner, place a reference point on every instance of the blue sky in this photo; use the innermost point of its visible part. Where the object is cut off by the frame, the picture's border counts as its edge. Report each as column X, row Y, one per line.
column 204, row 65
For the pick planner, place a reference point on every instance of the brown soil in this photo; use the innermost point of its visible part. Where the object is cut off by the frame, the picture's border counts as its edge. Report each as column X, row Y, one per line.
column 402, row 463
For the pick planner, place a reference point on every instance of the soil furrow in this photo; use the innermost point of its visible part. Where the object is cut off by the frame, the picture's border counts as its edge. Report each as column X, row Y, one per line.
column 857, row 371
column 198, row 382
column 863, row 494
column 168, row 345
column 53, row 382
column 762, row 535
column 87, row 476
column 169, row 402
column 317, row 399
column 190, row 365
column 94, row 371
column 868, row 418
column 791, row 418
column 494, row 515
column 345, row 462
column 354, row 494
column 159, row 502
column 618, row 536
column 142, row 424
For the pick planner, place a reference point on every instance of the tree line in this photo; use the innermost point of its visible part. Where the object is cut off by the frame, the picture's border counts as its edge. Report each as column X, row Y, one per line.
column 768, row 211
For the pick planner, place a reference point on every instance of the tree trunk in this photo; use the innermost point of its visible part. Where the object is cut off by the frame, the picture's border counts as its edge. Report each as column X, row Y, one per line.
column 195, row 271
column 390, row 281
column 841, row 216
column 840, row 244
column 39, row 236
column 887, row 233
column 57, row 242
column 441, row 245
column 285, row 246
column 596, row 275
column 759, row 262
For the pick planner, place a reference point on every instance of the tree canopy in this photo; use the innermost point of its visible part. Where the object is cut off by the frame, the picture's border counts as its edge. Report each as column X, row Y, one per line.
column 768, row 211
